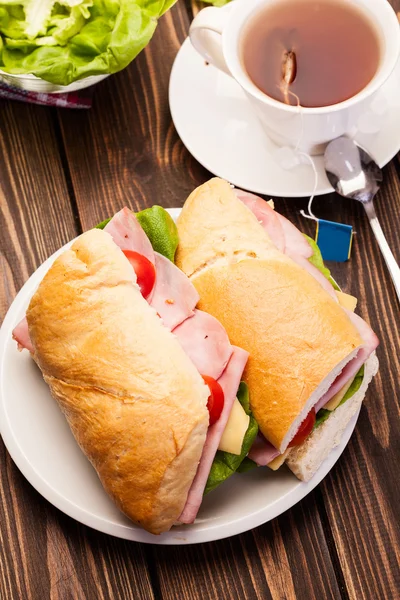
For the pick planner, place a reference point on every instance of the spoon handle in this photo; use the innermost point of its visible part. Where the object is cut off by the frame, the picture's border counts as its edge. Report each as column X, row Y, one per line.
column 390, row 260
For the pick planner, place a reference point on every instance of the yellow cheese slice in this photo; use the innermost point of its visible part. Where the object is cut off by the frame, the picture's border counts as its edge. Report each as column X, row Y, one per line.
column 238, row 422
column 337, row 398
column 347, row 301
column 278, row 461
column 271, row 203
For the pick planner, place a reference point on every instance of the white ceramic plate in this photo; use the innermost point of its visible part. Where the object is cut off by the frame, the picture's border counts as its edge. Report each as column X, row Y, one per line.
column 42, row 446
column 217, row 125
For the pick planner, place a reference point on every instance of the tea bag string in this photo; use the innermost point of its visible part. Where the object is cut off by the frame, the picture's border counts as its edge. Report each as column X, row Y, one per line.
column 310, row 214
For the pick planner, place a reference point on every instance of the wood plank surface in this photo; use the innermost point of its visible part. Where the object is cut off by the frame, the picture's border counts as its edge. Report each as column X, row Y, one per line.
column 287, row 558
column 43, row 553
column 360, row 495
column 61, row 173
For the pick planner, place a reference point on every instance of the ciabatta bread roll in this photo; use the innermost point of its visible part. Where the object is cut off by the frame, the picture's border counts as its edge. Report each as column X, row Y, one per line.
column 134, row 400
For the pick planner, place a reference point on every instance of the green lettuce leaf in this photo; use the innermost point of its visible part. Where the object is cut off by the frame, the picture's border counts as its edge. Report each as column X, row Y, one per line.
column 33, row 18
column 323, row 413
column 217, row 3
column 159, row 227
column 161, row 230
column 317, row 261
column 225, row 464
column 246, row 465
column 355, row 386
column 322, row 416
column 103, row 223
column 66, row 40
column 65, row 26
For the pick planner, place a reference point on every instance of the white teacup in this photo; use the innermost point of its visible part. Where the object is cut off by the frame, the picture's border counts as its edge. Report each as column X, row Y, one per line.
column 216, row 35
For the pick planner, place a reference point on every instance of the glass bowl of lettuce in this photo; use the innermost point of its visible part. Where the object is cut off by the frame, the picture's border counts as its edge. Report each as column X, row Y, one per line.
column 65, row 45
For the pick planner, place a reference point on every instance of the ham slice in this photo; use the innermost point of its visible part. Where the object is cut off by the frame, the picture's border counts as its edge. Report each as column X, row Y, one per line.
column 262, row 451
column 174, row 296
column 205, row 342
column 295, row 242
column 266, row 216
column 351, row 369
column 229, row 382
column 286, row 237
column 127, row 233
column 21, row 335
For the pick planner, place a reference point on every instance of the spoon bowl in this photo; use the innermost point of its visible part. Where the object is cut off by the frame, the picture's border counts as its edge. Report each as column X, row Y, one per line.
column 351, row 171
column 354, row 174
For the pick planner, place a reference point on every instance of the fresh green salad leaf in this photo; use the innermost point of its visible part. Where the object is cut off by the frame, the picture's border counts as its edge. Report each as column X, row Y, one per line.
column 66, row 40
column 323, row 413
column 317, row 261
column 246, row 465
column 243, row 396
column 321, row 417
column 103, row 224
column 217, row 3
column 161, row 230
column 355, row 386
column 225, row 464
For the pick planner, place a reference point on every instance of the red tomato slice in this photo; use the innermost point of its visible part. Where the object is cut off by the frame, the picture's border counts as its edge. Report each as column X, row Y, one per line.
column 144, row 269
column 304, row 430
column 216, row 400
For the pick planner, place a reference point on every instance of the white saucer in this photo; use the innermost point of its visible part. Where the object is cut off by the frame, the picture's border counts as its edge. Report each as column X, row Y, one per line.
column 218, row 127
column 42, row 446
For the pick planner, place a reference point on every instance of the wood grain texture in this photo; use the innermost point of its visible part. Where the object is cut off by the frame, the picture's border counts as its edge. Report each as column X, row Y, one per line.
column 35, row 208
column 43, row 553
column 288, row 558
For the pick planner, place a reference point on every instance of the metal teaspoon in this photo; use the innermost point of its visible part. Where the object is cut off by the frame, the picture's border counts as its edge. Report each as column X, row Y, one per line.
column 354, row 174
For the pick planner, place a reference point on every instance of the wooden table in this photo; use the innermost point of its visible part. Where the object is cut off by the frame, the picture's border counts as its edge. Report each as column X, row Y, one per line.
column 61, row 172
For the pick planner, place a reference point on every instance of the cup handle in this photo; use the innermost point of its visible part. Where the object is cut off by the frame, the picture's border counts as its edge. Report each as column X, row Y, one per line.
column 205, row 34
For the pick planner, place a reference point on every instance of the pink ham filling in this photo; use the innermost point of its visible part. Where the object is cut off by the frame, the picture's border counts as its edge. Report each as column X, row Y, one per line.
column 266, row 216
column 298, row 249
column 352, row 368
column 205, row 342
column 21, row 335
column 286, row 237
column 229, row 382
column 174, row 297
column 128, row 234
column 262, row 451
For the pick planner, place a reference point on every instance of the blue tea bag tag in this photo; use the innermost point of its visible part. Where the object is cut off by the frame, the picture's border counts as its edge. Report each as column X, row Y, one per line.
column 334, row 240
